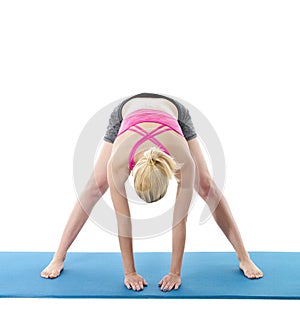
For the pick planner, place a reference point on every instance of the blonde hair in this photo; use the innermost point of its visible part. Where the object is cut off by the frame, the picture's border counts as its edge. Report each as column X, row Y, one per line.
column 152, row 174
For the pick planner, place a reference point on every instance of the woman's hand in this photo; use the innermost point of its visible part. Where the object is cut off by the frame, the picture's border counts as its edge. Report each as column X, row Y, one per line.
column 170, row 282
column 135, row 282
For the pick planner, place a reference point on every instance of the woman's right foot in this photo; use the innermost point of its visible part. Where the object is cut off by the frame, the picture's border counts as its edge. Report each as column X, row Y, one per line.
column 53, row 270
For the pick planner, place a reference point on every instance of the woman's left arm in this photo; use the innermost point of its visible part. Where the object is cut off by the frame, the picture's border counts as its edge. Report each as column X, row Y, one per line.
column 181, row 209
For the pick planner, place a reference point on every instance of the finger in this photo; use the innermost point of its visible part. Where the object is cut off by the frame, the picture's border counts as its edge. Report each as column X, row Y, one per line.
column 170, row 286
column 177, row 285
column 144, row 282
column 141, row 285
column 161, row 284
column 127, row 284
column 174, row 285
column 133, row 286
column 137, row 286
column 164, row 286
column 161, row 281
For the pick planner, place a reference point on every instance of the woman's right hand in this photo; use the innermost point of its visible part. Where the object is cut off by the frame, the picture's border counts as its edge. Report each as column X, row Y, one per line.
column 134, row 281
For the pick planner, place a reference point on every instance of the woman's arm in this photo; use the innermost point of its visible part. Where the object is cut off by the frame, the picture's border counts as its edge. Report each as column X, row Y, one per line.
column 182, row 204
column 117, row 176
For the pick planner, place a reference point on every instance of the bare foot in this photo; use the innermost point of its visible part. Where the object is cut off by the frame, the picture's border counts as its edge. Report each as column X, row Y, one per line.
column 250, row 270
column 53, row 270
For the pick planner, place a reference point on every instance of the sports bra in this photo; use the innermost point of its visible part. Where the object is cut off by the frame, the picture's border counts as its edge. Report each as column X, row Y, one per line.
column 130, row 123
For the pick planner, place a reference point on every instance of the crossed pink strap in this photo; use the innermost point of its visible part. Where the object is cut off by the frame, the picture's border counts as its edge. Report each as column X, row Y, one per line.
column 146, row 136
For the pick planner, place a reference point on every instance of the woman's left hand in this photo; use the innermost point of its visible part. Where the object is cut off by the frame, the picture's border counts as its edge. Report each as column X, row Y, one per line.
column 170, row 282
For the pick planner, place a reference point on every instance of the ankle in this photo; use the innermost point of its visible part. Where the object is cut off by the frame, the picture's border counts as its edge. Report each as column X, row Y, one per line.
column 244, row 258
column 59, row 258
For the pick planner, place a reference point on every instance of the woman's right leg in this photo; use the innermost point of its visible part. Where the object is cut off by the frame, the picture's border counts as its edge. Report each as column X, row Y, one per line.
column 94, row 190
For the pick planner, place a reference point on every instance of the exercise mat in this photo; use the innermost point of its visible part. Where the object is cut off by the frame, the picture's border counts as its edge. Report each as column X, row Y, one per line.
column 205, row 275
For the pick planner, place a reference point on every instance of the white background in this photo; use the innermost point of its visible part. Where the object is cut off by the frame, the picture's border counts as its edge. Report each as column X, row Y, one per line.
column 62, row 61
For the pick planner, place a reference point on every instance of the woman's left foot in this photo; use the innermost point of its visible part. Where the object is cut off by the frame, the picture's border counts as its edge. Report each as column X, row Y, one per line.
column 250, row 270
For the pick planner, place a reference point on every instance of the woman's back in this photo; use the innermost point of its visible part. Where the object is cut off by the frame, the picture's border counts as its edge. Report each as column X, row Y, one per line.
column 143, row 129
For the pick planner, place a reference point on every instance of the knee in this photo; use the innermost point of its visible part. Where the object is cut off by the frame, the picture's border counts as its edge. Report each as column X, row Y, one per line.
column 96, row 187
column 206, row 187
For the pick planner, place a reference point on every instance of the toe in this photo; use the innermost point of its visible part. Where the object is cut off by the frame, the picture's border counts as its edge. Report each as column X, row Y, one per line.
column 248, row 274
column 45, row 273
column 54, row 274
column 259, row 275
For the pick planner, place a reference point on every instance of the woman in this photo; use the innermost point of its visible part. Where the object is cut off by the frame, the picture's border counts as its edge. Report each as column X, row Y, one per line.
column 152, row 137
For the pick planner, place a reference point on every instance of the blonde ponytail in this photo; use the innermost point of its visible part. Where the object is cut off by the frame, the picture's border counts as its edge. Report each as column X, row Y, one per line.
column 152, row 174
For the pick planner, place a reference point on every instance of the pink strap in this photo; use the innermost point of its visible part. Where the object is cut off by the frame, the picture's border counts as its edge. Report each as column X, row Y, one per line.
column 146, row 136
column 166, row 121
column 148, row 115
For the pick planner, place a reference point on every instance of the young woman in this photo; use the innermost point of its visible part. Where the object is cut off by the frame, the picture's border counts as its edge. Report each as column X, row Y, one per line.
column 152, row 137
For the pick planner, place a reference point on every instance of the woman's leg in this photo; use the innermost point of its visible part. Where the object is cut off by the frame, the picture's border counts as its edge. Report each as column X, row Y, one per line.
column 219, row 207
column 95, row 188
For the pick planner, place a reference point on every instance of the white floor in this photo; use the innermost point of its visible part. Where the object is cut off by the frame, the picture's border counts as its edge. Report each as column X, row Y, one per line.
column 147, row 314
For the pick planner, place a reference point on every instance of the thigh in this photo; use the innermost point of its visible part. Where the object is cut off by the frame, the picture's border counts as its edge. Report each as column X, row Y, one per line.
column 100, row 169
column 203, row 181
column 198, row 157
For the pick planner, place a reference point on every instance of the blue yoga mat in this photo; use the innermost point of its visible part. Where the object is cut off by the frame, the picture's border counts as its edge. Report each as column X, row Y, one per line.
column 100, row 275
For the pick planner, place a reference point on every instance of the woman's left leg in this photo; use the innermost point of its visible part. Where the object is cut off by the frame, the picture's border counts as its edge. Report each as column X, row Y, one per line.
column 219, row 207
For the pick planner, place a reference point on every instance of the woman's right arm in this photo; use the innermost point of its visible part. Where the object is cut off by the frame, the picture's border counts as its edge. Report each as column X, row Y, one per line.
column 116, row 179
column 117, row 176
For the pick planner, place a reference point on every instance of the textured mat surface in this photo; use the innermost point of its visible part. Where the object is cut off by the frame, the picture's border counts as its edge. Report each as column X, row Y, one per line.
column 100, row 275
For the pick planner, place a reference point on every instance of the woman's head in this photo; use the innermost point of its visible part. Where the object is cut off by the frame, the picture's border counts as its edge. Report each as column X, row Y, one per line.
column 152, row 174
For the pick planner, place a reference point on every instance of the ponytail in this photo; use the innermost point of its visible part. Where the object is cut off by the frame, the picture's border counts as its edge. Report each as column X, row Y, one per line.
column 152, row 174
